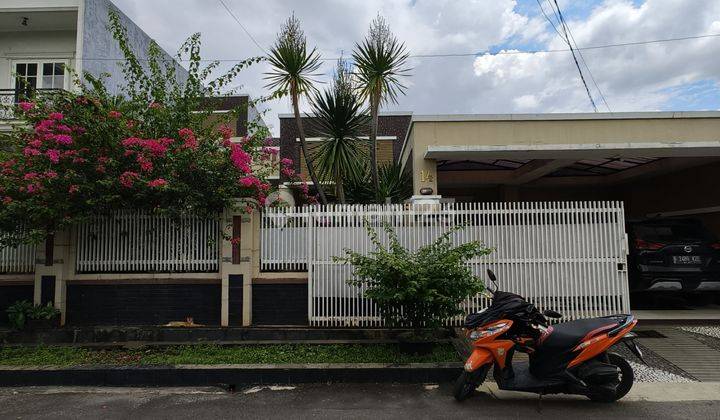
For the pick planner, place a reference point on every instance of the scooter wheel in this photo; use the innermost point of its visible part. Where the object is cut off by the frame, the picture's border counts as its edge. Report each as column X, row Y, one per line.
column 466, row 384
column 627, row 377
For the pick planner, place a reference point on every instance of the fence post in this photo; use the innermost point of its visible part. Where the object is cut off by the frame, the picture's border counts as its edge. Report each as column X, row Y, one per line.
column 54, row 262
column 238, row 261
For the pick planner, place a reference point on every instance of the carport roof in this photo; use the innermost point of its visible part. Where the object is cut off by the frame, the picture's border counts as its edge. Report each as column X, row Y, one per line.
column 566, row 116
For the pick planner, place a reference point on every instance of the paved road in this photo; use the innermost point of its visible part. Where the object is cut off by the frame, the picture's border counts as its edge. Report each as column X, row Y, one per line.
column 323, row 401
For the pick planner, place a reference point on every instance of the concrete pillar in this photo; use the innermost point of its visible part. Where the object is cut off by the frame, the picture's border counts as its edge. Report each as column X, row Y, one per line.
column 239, row 259
column 60, row 265
column 424, row 174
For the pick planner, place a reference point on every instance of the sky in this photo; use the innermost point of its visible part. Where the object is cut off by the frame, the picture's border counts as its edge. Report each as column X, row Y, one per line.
column 677, row 76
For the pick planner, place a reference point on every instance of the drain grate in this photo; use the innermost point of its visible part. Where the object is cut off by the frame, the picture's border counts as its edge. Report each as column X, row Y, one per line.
column 649, row 334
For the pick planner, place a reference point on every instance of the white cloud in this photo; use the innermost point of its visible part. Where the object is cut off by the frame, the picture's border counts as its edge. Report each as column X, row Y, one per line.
column 632, row 78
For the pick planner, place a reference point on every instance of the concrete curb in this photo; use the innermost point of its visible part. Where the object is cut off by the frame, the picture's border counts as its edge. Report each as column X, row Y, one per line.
column 641, row 391
column 227, row 375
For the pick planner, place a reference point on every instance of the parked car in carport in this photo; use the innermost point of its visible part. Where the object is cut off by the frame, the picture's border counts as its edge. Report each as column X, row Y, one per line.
column 673, row 254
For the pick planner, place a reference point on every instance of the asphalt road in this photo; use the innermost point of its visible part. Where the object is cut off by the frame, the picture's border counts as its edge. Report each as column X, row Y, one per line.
column 322, row 401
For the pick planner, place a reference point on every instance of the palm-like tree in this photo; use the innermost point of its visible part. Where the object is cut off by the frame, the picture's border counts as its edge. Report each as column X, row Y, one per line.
column 380, row 60
column 340, row 120
column 293, row 72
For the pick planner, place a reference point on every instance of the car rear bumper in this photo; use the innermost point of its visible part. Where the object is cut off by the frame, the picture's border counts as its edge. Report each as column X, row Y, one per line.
column 676, row 280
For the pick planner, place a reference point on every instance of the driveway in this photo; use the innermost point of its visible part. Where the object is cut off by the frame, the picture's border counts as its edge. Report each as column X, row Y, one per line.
column 349, row 401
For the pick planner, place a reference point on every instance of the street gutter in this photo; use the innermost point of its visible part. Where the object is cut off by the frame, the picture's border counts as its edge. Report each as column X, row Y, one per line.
column 228, row 376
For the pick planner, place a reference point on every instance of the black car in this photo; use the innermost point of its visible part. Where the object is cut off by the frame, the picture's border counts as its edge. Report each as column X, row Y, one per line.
column 673, row 254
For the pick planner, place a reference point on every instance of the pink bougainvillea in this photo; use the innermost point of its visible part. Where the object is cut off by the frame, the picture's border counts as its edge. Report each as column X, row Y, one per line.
column 127, row 179
column 157, row 183
column 53, row 155
column 26, row 106
column 188, row 136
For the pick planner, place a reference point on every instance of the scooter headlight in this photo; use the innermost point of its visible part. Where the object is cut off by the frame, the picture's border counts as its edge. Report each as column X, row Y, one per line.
column 486, row 332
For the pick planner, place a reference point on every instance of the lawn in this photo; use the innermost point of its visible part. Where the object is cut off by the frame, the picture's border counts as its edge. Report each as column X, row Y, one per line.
column 213, row 354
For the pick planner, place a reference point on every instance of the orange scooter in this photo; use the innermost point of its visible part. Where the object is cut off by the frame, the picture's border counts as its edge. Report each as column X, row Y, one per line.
column 565, row 358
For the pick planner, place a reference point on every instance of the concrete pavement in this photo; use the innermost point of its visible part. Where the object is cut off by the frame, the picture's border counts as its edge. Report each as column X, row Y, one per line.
column 658, row 400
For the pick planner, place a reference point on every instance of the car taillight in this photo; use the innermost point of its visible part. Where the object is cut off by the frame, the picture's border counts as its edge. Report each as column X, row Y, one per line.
column 715, row 245
column 642, row 244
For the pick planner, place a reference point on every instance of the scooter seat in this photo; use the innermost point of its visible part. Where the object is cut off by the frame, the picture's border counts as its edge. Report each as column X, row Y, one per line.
column 567, row 335
column 554, row 350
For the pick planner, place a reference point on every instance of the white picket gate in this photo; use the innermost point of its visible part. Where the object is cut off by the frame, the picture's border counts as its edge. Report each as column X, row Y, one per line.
column 567, row 256
column 130, row 241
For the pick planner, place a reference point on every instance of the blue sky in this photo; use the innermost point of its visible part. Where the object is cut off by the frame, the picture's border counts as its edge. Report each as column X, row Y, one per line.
column 669, row 76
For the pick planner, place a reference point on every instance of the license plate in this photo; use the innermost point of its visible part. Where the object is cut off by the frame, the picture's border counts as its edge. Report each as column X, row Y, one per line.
column 687, row 259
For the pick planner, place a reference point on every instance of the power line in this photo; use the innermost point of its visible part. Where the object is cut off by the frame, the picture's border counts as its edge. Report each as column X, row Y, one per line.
column 450, row 55
column 242, row 26
column 572, row 51
column 582, row 58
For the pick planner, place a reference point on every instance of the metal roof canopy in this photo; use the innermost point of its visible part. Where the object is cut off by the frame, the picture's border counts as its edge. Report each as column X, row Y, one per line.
column 575, row 151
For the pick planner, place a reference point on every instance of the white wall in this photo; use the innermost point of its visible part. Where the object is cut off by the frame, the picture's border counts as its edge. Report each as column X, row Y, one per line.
column 33, row 45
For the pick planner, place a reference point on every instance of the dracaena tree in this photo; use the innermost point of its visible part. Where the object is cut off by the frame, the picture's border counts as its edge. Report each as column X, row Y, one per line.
column 76, row 154
column 340, row 120
column 380, row 63
column 294, row 68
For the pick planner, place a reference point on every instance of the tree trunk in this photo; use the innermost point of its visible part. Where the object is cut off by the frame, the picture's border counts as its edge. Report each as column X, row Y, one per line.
column 374, row 110
column 303, row 146
column 339, row 188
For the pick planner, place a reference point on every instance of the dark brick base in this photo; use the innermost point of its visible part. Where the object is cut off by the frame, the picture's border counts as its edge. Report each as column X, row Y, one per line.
column 279, row 304
column 142, row 304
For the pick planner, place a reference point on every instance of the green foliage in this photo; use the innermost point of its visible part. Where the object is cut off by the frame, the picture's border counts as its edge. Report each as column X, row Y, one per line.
column 418, row 289
column 340, row 120
column 380, row 61
column 213, row 354
column 393, row 183
column 43, row 312
column 22, row 310
column 293, row 71
column 294, row 68
column 17, row 314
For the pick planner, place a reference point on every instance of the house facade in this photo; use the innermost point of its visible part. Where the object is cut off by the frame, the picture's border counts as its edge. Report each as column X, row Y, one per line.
column 44, row 42
column 661, row 163
column 392, row 130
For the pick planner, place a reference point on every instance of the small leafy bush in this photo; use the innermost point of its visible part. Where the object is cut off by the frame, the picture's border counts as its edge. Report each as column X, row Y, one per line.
column 43, row 312
column 22, row 310
column 418, row 289
column 17, row 313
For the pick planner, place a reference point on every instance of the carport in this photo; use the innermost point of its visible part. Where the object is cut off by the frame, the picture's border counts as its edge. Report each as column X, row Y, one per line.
column 657, row 163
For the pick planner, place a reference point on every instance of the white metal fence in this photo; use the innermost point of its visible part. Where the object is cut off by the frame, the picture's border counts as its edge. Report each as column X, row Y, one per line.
column 130, row 241
column 567, row 256
column 17, row 260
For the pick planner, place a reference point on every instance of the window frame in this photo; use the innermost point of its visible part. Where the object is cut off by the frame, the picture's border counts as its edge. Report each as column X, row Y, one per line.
column 40, row 63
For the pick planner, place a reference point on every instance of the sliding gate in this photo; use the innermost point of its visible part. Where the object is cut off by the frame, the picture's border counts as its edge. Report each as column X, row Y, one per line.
column 567, row 256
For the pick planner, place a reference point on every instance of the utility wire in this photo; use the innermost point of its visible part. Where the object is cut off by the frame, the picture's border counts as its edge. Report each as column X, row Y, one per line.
column 242, row 26
column 449, row 55
column 572, row 51
column 582, row 58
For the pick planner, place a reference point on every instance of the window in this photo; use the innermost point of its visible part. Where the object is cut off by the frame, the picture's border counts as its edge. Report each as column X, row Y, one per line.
column 53, row 75
column 40, row 75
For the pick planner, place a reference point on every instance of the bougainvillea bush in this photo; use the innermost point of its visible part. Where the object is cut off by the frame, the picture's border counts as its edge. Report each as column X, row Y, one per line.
column 152, row 147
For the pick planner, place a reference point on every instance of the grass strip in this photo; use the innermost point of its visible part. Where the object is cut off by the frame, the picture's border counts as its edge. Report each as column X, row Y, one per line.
column 209, row 354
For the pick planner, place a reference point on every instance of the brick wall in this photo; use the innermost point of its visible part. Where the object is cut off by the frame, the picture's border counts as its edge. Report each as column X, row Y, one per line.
column 142, row 304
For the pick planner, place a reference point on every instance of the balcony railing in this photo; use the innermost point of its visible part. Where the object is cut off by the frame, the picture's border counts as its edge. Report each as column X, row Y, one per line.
column 10, row 97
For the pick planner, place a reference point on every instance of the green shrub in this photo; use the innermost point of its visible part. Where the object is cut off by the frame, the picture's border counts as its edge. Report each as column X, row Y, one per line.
column 17, row 313
column 420, row 289
column 22, row 310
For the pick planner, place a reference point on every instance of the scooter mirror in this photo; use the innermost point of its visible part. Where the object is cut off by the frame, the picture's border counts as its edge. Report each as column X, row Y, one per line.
column 491, row 275
column 552, row 314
